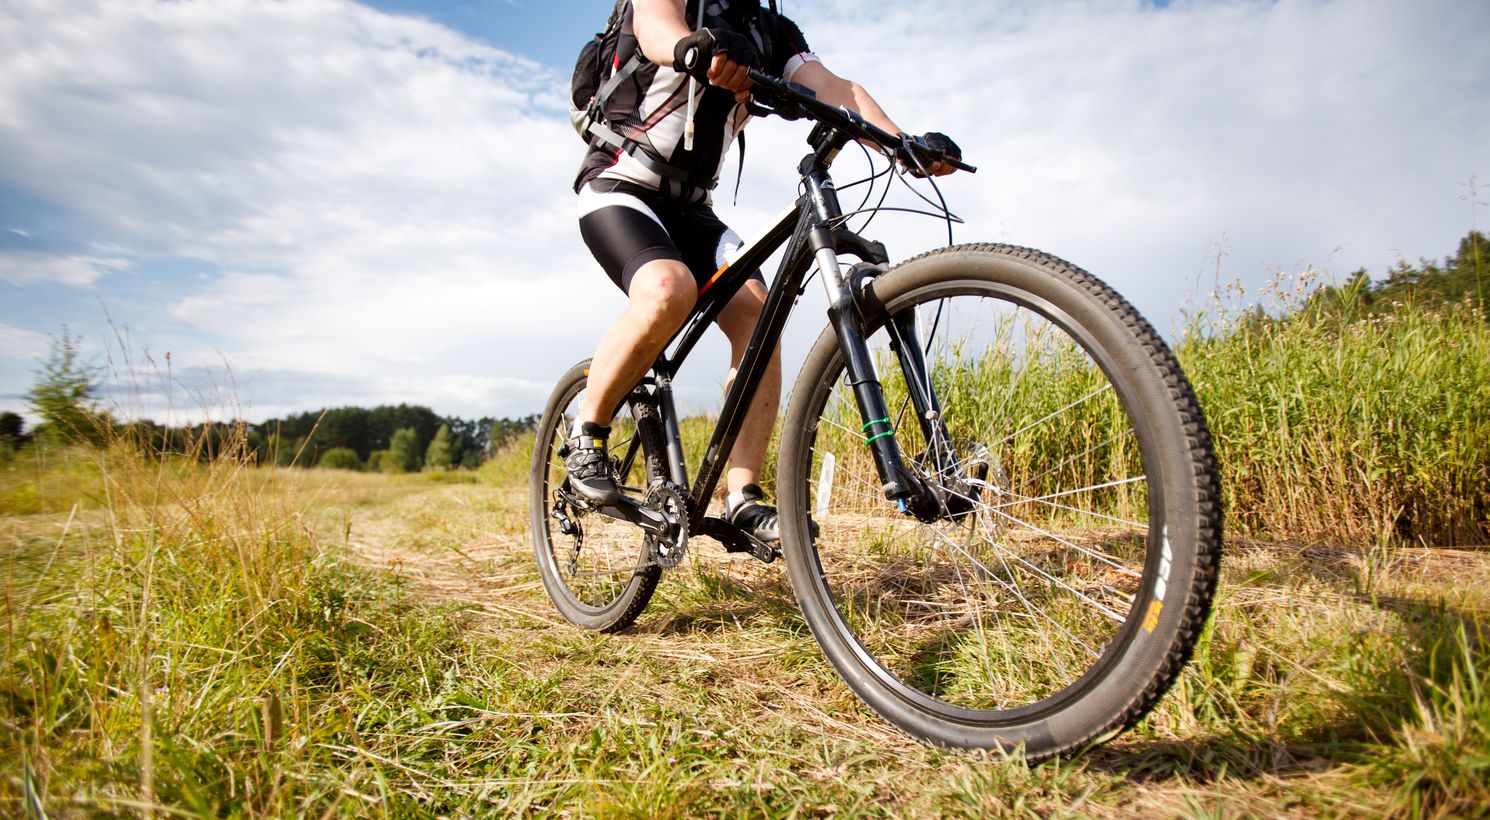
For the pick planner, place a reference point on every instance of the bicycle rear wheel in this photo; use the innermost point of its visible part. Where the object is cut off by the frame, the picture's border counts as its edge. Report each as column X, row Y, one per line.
column 1062, row 589
column 597, row 570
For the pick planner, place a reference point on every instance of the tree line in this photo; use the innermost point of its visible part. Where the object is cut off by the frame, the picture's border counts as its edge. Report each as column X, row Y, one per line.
column 400, row 438
column 386, row 438
column 1465, row 276
column 407, row 438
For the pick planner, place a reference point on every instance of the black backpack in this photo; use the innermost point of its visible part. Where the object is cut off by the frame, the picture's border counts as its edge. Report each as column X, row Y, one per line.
column 586, row 103
column 588, row 95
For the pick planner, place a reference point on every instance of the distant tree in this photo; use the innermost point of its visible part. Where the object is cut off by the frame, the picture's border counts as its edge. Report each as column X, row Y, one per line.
column 404, row 449
column 1466, row 274
column 340, row 458
column 502, row 431
column 65, row 393
column 12, row 430
column 288, row 453
column 376, row 458
column 1469, row 269
column 496, row 435
column 441, row 454
column 255, row 444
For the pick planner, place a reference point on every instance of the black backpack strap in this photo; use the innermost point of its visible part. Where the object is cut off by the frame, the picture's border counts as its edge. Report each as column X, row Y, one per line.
column 634, row 149
column 740, row 171
column 609, row 86
column 639, row 152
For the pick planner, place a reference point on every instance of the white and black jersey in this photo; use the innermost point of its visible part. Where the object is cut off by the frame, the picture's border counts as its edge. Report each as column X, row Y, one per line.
column 650, row 107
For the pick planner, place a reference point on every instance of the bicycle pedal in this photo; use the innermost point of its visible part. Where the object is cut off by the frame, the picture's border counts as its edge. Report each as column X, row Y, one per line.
column 735, row 540
column 631, row 511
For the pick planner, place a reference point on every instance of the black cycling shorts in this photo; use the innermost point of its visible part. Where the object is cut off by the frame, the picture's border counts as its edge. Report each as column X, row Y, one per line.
column 627, row 225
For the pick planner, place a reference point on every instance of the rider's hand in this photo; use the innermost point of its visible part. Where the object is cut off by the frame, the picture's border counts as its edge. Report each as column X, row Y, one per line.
column 730, row 75
column 941, row 143
column 717, row 56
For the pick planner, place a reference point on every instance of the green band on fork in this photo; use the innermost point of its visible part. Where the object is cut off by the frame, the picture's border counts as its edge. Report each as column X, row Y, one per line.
column 885, row 421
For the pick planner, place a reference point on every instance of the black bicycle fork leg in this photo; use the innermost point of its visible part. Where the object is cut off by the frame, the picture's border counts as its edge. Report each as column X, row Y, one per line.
column 879, row 429
column 905, row 341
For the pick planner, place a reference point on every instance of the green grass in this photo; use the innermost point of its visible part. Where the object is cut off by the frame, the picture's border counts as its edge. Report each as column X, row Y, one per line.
column 1352, row 431
column 302, row 642
column 223, row 639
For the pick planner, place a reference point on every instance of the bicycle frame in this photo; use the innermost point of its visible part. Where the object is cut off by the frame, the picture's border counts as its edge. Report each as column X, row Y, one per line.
column 810, row 231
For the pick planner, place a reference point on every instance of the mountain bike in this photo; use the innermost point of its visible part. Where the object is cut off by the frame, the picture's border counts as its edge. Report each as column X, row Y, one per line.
column 999, row 502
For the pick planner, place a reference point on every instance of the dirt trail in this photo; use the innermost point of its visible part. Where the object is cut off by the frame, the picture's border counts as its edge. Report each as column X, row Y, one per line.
column 474, row 555
column 489, row 574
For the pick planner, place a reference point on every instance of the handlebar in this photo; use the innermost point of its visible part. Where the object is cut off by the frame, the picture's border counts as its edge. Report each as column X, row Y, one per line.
column 792, row 101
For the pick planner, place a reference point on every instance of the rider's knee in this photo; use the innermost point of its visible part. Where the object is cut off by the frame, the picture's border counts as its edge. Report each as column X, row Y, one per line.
column 665, row 289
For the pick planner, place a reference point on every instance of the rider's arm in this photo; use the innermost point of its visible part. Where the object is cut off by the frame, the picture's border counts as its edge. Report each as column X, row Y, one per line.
column 835, row 90
column 660, row 24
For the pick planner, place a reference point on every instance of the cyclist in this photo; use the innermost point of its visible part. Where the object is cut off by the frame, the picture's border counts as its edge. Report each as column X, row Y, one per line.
column 645, row 213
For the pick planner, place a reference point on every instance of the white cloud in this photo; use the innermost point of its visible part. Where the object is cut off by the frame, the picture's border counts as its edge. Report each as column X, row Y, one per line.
column 20, row 267
column 1130, row 139
column 383, row 194
column 387, row 200
column 19, row 343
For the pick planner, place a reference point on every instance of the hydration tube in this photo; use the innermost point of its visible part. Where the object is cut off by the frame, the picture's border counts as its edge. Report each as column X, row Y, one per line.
column 692, row 90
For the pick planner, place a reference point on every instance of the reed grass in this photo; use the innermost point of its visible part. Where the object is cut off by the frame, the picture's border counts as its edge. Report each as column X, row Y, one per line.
column 1343, row 429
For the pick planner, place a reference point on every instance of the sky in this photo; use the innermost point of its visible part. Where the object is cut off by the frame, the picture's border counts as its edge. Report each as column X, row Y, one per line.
column 251, row 208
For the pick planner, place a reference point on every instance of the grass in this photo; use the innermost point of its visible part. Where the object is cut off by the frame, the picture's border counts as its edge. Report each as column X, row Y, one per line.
column 221, row 639
column 1367, row 430
column 231, row 640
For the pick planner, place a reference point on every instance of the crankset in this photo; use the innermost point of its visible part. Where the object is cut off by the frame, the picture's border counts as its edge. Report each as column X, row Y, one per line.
column 621, row 508
column 667, row 548
column 664, row 518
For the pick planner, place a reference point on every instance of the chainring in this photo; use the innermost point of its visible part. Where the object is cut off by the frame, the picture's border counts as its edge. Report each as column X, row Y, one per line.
column 667, row 550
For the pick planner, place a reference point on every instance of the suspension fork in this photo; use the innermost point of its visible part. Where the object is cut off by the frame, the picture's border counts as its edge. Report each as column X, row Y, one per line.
column 905, row 342
column 897, row 483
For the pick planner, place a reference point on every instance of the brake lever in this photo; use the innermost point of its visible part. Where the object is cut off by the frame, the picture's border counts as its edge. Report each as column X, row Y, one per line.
column 786, row 109
column 914, row 145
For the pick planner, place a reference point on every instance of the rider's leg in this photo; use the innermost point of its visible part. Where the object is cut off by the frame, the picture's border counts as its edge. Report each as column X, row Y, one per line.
column 737, row 320
column 661, row 295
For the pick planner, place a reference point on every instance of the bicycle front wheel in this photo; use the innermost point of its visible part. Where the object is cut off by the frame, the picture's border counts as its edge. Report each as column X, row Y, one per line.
column 597, row 570
column 1061, row 588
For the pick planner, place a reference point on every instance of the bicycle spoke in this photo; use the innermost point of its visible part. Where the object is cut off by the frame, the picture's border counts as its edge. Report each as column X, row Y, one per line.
column 1015, row 590
column 1088, row 397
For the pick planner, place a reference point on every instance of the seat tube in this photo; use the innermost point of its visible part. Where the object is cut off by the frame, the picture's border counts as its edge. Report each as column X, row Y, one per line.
column 878, row 429
column 677, row 464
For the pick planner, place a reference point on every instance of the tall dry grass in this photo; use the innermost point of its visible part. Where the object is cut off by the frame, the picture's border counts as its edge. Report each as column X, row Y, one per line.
column 1346, row 429
column 185, row 635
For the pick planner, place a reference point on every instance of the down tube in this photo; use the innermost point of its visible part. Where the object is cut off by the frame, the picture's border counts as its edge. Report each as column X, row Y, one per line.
column 753, row 364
